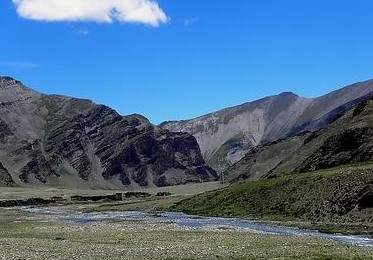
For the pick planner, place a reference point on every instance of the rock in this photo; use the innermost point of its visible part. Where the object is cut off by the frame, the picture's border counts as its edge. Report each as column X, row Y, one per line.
column 136, row 194
column 163, row 194
column 109, row 198
column 28, row 202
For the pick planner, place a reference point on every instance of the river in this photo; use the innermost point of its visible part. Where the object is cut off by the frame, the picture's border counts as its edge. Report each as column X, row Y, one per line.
column 194, row 222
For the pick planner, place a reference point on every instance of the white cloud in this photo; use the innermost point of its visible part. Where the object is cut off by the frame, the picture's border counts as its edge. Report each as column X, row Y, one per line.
column 102, row 11
column 189, row 21
column 19, row 65
column 83, row 32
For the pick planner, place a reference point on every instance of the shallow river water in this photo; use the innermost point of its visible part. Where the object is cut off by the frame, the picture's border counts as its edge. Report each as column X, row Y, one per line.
column 194, row 222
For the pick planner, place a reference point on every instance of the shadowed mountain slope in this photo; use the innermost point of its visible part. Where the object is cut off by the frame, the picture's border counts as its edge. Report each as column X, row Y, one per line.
column 63, row 141
column 347, row 139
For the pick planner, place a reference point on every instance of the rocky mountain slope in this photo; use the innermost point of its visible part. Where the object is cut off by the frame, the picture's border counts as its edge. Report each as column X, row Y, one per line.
column 63, row 141
column 347, row 139
column 323, row 176
column 227, row 135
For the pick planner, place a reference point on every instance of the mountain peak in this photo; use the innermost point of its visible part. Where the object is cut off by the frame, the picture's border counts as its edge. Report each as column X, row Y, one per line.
column 6, row 80
column 13, row 92
column 286, row 97
column 288, row 94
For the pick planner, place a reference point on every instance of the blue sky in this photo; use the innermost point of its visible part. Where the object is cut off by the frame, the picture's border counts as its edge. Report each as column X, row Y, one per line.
column 190, row 57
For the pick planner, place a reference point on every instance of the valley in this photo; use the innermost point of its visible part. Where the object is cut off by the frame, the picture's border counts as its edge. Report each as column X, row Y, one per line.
column 136, row 229
column 191, row 130
column 90, row 183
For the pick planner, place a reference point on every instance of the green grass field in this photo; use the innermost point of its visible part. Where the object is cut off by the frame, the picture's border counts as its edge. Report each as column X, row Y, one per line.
column 334, row 200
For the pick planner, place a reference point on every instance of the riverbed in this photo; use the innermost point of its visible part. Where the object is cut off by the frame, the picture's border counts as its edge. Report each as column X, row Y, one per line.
column 190, row 222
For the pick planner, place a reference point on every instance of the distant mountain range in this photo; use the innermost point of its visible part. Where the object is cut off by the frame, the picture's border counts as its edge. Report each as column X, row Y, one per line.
column 226, row 136
column 63, row 141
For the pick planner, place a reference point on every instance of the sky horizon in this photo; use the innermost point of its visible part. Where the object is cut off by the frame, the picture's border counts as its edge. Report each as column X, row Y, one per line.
column 170, row 60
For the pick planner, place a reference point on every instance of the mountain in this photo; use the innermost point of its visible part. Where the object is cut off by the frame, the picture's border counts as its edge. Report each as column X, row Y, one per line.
column 347, row 139
column 320, row 176
column 63, row 141
column 227, row 135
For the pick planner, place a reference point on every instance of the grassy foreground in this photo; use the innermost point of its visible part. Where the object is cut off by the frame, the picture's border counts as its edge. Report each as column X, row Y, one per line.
column 338, row 195
column 25, row 235
column 51, row 239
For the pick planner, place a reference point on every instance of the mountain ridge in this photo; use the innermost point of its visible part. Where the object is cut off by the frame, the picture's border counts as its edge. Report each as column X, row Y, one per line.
column 228, row 108
column 59, row 140
column 322, row 176
column 226, row 135
column 346, row 139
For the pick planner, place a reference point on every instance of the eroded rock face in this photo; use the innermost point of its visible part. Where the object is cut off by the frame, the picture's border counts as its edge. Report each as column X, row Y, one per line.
column 64, row 141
